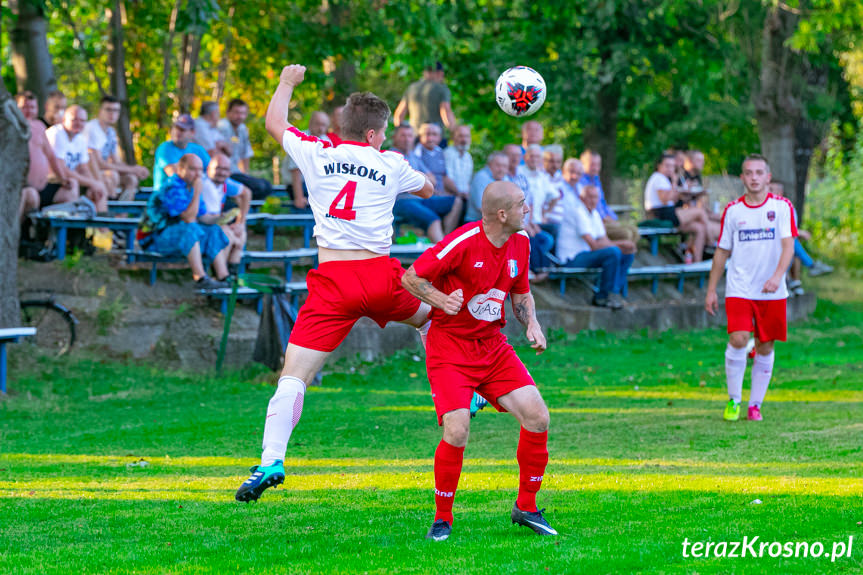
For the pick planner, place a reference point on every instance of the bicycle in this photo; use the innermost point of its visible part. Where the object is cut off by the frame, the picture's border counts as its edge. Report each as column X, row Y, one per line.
column 55, row 324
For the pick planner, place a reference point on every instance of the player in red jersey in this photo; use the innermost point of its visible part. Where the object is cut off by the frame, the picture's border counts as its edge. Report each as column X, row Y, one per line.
column 466, row 278
column 757, row 241
column 352, row 188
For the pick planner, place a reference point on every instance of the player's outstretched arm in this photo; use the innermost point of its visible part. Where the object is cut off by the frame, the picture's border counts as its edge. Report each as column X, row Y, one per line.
column 711, row 301
column 277, row 112
column 423, row 290
column 524, row 309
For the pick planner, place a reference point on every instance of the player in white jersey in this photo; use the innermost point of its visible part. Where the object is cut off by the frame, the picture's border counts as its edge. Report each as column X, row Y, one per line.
column 352, row 189
column 757, row 241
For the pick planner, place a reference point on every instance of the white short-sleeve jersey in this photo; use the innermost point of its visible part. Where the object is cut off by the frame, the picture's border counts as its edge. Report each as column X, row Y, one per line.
column 753, row 235
column 352, row 189
column 655, row 183
column 72, row 152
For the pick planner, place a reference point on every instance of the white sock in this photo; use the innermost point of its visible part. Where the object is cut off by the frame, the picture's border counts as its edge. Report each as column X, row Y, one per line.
column 424, row 331
column 762, row 370
column 283, row 413
column 735, row 368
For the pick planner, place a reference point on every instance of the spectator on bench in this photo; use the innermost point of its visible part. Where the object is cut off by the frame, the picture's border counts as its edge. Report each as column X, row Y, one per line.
column 55, row 109
column 616, row 229
column 169, row 153
column 531, row 134
column 233, row 127
column 216, row 188
column 70, row 147
column 171, row 217
column 801, row 256
column 319, row 123
column 426, row 213
column 561, row 181
column 43, row 163
column 660, row 202
column 495, row 170
column 102, row 146
column 459, row 162
column 207, row 133
column 583, row 243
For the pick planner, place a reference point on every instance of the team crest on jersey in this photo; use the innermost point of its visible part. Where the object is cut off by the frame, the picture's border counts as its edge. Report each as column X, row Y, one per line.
column 771, row 215
column 513, row 268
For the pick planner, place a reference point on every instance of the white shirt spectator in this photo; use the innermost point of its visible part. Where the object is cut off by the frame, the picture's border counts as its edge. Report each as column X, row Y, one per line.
column 577, row 222
column 206, row 135
column 459, row 167
column 241, row 146
column 558, row 187
column 655, row 183
column 104, row 142
column 72, row 152
column 539, row 191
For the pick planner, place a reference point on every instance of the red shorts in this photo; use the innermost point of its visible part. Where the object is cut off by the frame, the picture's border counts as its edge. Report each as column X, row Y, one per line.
column 341, row 292
column 459, row 367
column 767, row 318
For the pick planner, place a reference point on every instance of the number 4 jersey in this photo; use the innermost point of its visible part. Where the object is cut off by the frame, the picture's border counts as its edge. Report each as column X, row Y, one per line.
column 352, row 188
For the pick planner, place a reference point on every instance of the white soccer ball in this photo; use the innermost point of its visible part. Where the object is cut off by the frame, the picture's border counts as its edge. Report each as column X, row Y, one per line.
column 520, row 91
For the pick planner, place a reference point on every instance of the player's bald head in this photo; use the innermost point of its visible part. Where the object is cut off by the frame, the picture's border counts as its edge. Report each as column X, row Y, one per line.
column 499, row 196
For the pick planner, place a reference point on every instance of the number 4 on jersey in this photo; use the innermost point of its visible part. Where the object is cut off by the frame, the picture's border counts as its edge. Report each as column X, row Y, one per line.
column 347, row 212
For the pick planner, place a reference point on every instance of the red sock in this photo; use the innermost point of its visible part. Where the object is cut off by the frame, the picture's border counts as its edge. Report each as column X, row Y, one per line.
column 532, row 455
column 447, row 469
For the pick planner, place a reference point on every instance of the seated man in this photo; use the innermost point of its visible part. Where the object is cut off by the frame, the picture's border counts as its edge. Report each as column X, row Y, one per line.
column 70, row 147
column 233, row 128
column 55, row 109
column 216, row 189
column 552, row 162
column 207, row 133
column 430, row 152
column 170, row 221
column 169, row 153
column 660, row 202
column 537, row 191
column 102, row 145
column 43, row 162
column 616, row 229
column 425, row 213
column 582, row 242
column 495, row 170
column 319, row 123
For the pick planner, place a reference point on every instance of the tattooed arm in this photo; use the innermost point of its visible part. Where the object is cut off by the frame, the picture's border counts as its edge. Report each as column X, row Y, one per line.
column 425, row 291
column 524, row 309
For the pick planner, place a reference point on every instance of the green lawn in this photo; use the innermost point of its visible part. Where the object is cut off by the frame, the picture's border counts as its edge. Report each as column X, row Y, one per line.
column 640, row 460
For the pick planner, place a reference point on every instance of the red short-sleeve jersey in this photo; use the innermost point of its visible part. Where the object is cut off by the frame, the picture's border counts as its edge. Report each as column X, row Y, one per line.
column 465, row 259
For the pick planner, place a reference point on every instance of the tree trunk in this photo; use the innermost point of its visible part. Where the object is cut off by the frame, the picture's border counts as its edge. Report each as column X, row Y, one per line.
column 601, row 136
column 777, row 99
column 14, row 135
column 167, row 50
column 34, row 70
column 117, row 73
column 219, row 90
column 191, row 49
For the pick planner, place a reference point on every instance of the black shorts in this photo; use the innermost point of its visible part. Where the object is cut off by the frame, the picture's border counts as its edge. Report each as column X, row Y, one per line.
column 46, row 194
column 666, row 213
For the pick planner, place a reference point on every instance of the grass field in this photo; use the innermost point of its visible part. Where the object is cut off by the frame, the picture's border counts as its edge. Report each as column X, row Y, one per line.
column 640, row 460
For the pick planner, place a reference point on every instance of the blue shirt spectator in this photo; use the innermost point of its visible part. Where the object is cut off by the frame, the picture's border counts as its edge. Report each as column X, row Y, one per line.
column 169, row 153
column 494, row 171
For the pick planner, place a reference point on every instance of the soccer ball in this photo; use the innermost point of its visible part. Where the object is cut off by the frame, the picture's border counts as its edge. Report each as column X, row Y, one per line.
column 520, row 91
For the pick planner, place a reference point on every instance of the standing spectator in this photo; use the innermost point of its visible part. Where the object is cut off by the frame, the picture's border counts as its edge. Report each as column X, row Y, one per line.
column 104, row 154
column 233, row 127
column 495, row 170
column 171, row 217
column 169, row 153
column 552, row 211
column 427, row 101
column 514, row 155
column 425, row 213
column 531, row 133
column 459, row 162
column 319, row 123
column 207, row 133
column 660, row 199
column 70, row 147
column 55, row 108
column 582, row 242
column 616, row 230
column 432, row 156
column 43, row 163
column 216, row 188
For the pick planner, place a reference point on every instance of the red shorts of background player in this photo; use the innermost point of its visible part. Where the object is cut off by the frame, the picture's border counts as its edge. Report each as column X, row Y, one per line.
column 767, row 318
column 459, row 367
column 341, row 292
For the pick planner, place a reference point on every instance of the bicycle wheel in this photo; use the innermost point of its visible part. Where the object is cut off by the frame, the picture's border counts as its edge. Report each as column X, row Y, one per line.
column 55, row 325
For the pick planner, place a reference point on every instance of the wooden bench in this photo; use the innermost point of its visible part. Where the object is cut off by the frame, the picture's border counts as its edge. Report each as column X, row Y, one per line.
column 294, row 289
column 10, row 335
column 698, row 270
column 286, row 258
column 153, row 258
column 273, row 221
column 652, row 235
column 137, row 207
column 128, row 226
